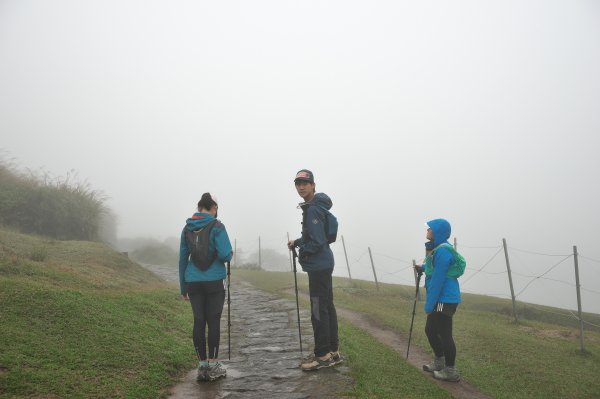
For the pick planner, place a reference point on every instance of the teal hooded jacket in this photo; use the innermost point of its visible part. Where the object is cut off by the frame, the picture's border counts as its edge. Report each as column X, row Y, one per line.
column 440, row 287
column 218, row 241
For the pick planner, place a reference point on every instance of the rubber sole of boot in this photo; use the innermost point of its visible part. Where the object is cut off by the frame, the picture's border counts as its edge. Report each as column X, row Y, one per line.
column 320, row 365
column 211, row 379
column 457, row 379
column 337, row 360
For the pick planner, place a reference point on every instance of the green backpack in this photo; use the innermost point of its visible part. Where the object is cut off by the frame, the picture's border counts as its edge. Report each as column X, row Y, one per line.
column 456, row 269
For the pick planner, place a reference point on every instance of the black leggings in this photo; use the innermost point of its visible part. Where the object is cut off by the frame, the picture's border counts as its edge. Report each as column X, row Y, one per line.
column 439, row 333
column 207, row 304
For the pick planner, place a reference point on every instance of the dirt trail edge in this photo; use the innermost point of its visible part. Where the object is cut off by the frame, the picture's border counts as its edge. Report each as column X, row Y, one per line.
column 417, row 357
column 265, row 353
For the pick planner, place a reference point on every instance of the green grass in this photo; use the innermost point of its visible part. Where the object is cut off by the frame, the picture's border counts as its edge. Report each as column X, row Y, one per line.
column 83, row 321
column 80, row 320
column 529, row 359
column 380, row 372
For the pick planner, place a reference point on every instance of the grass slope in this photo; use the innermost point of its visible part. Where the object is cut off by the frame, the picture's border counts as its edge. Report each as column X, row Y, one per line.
column 529, row 359
column 80, row 320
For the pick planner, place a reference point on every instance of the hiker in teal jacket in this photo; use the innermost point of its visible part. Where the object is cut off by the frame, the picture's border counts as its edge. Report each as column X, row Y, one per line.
column 219, row 245
column 443, row 297
column 205, row 289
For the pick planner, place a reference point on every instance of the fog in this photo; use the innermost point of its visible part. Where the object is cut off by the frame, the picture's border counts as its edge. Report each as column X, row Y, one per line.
column 484, row 113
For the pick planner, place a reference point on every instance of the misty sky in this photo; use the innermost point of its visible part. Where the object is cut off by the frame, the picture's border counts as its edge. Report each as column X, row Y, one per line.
column 486, row 113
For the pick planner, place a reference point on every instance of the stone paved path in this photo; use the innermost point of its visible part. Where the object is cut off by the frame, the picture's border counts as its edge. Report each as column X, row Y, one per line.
column 265, row 351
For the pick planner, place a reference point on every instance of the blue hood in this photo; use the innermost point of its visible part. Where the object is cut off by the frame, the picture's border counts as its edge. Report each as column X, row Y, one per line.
column 322, row 200
column 198, row 221
column 441, row 230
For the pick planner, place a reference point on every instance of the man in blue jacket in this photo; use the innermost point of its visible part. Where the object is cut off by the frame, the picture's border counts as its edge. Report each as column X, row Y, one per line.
column 317, row 260
column 443, row 297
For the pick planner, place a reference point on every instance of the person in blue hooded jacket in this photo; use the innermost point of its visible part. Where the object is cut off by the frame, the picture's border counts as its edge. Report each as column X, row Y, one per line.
column 205, row 289
column 316, row 258
column 443, row 297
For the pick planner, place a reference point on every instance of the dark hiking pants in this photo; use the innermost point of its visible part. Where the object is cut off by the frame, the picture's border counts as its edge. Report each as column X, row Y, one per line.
column 323, row 314
column 439, row 331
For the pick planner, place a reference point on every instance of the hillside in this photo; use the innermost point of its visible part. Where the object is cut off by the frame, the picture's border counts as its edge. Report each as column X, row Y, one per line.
column 81, row 320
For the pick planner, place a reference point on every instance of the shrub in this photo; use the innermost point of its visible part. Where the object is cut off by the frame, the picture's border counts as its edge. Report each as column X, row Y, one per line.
column 64, row 209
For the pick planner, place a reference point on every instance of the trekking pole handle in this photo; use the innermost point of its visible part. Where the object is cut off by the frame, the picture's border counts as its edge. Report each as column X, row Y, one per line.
column 294, row 256
column 418, row 269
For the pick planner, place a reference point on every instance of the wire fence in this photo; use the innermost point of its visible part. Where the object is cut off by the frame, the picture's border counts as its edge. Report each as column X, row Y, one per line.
column 515, row 273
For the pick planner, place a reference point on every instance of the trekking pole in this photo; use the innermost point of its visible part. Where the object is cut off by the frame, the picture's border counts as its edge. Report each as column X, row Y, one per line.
column 419, row 273
column 228, row 310
column 295, row 255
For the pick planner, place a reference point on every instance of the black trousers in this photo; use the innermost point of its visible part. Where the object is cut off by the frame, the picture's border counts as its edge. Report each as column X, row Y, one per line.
column 439, row 332
column 207, row 299
column 323, row 314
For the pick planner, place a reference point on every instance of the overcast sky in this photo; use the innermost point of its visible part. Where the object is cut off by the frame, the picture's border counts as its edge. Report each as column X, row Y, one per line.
column 486, row 113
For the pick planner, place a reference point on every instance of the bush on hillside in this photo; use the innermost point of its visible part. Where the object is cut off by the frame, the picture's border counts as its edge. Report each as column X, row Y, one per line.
column 59, row 208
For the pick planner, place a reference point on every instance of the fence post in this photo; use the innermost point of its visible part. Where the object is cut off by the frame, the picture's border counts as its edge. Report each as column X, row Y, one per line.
column 259, row 258
column 346, row 255
column 235, row 252
column 581, row 340
column 373, row 266
column 455, row 244
column 416, row 279
column 290, row 252
column 512, row 290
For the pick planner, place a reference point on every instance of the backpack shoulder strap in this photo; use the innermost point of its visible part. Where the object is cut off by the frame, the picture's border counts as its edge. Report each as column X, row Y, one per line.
column 209, row 226
column 444, row 245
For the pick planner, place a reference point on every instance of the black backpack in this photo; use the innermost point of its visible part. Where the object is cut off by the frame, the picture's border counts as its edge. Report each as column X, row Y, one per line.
column 197, row 242
column 331, row 226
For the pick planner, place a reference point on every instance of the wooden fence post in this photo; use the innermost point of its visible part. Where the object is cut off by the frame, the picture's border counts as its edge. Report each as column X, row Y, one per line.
column 346, row 255
column 512, row 290
column 373, row 266
column 577, row 285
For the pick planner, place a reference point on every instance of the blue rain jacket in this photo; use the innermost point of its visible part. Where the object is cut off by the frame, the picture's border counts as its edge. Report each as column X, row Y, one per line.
column 218, row 241
column 440, row 287
column 314, row 251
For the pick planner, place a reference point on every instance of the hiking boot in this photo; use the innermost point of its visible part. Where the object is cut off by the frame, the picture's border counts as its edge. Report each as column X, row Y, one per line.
column 308, row 359
column 437, row 364
column 447, row 374
column 318, row 363
column 336, row 357
column 202, row 374
column 216, row 371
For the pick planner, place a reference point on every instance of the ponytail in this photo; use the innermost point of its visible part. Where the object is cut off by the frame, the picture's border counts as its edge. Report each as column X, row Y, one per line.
column 206, row 202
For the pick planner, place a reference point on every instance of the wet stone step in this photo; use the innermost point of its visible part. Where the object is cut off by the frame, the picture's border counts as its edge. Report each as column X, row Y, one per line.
column 265, row 352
